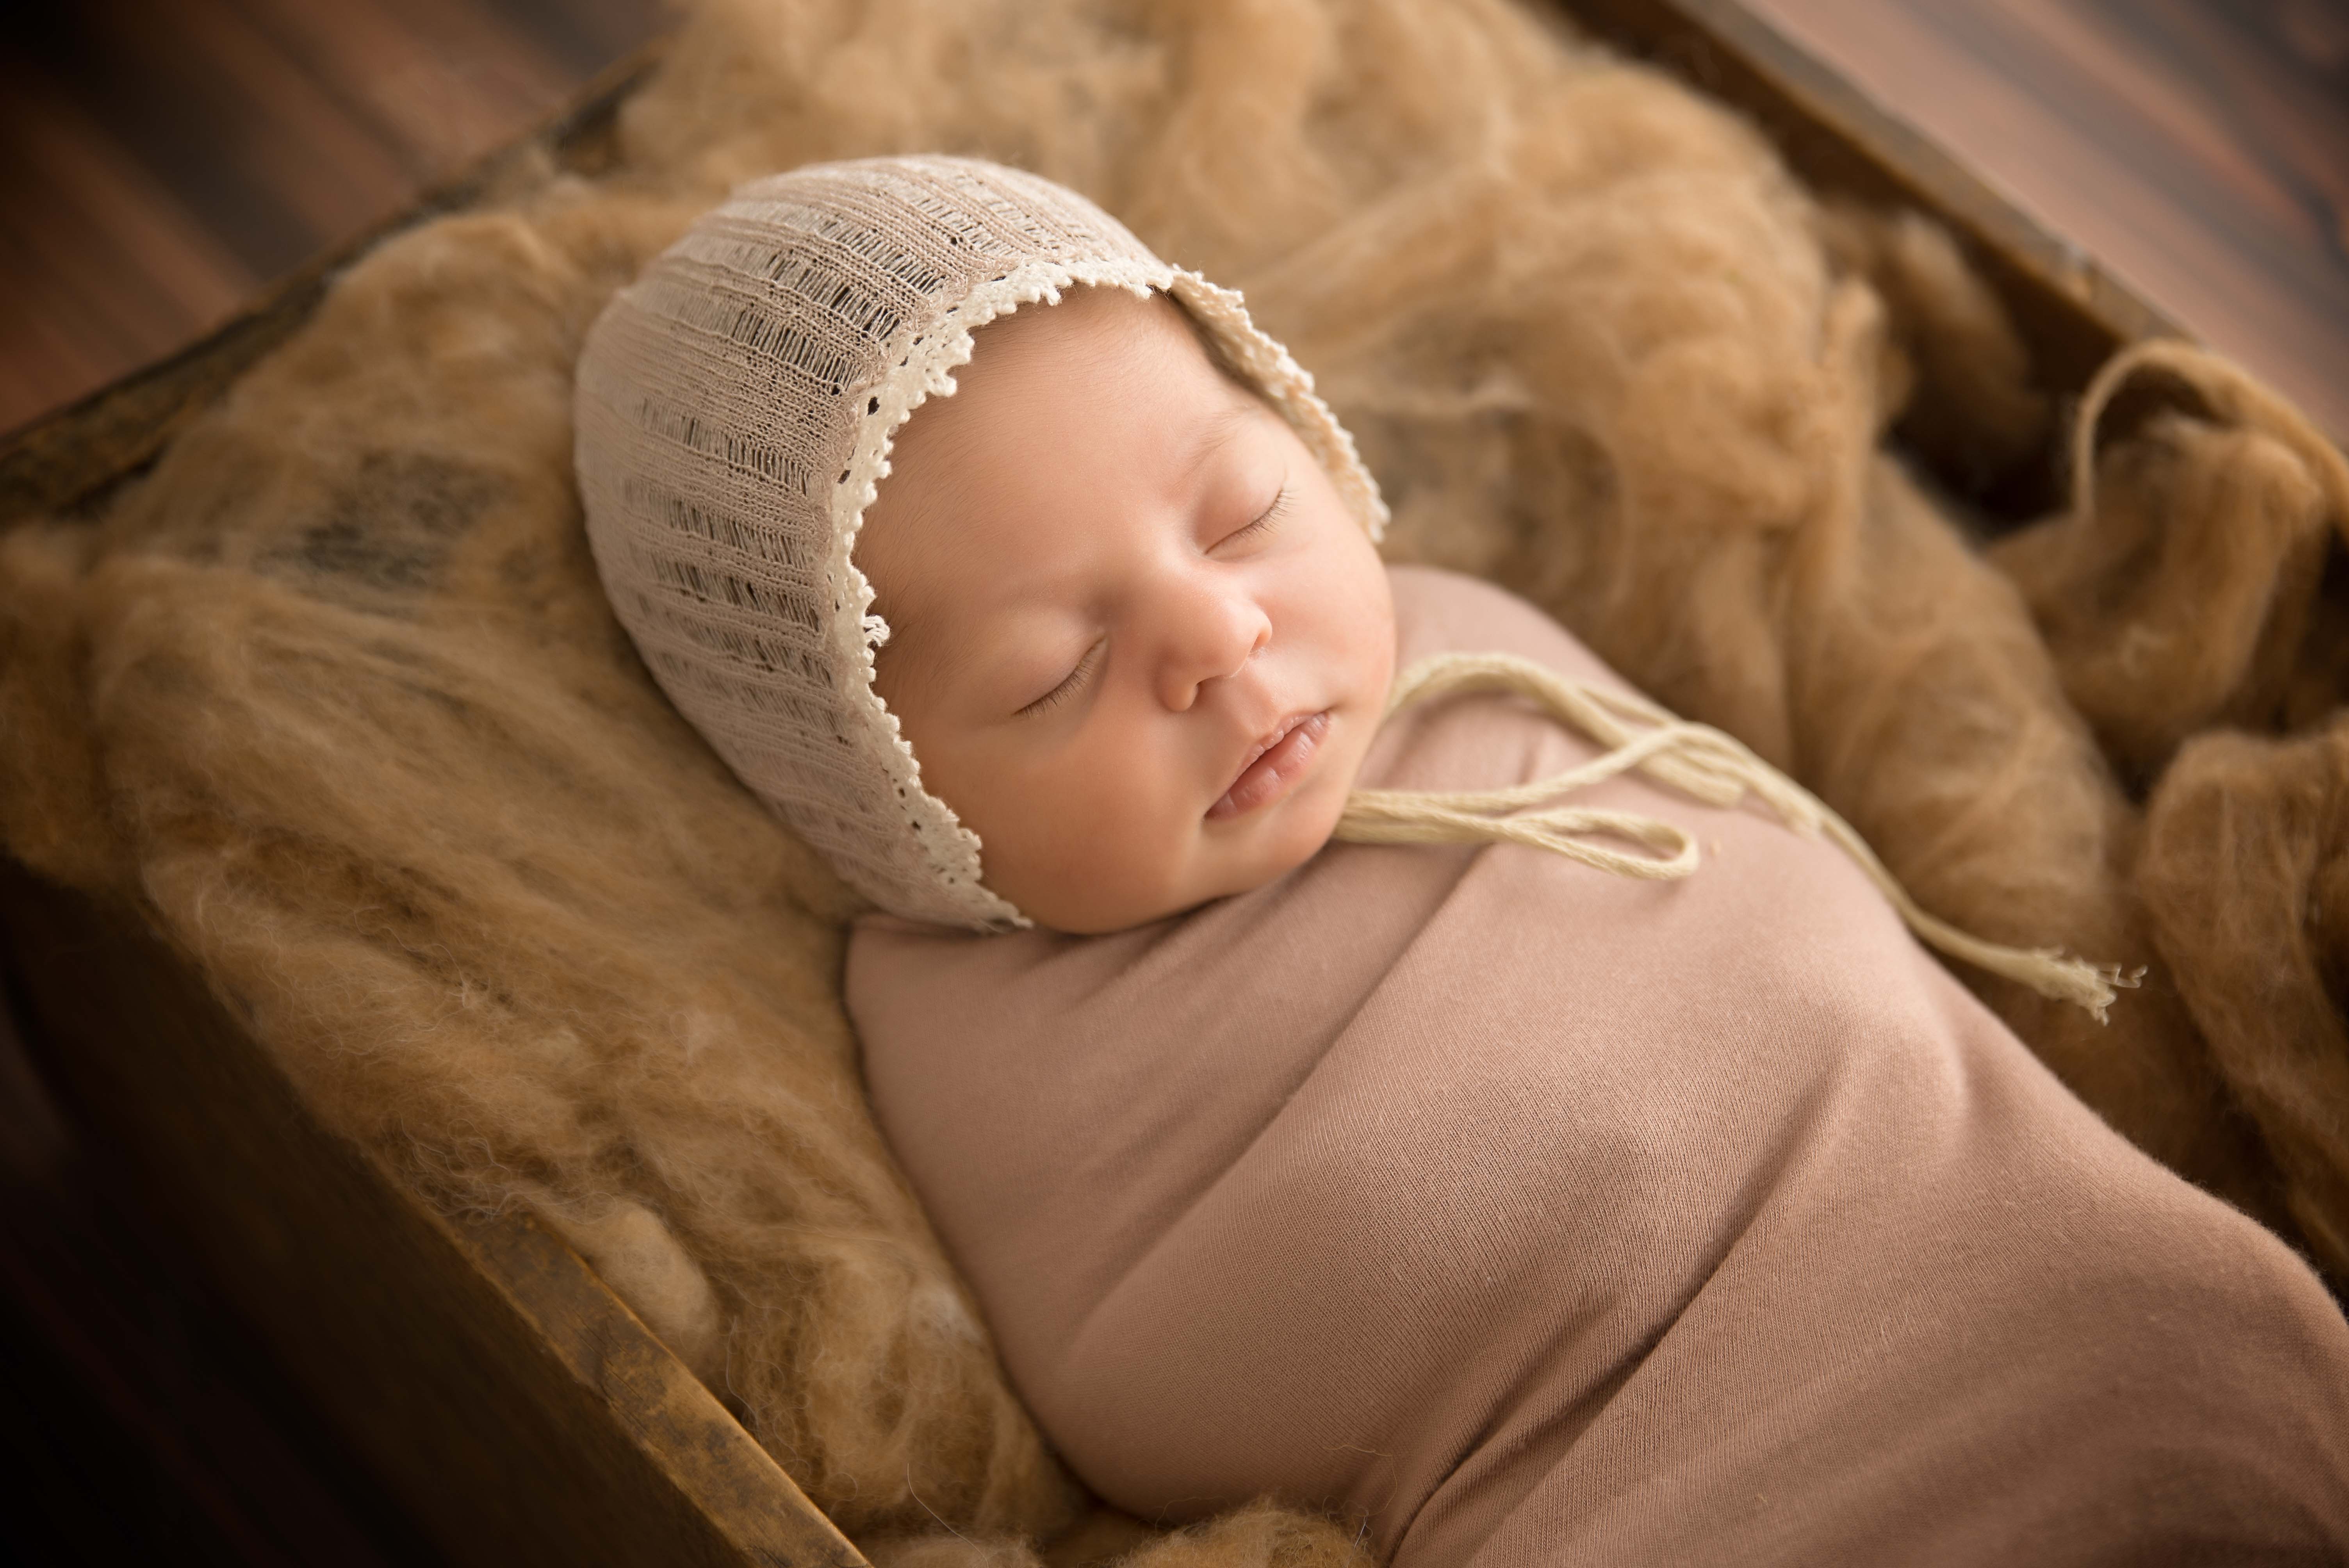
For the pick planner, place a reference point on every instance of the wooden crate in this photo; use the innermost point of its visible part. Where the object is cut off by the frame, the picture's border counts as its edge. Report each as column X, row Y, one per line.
column 513, row 1402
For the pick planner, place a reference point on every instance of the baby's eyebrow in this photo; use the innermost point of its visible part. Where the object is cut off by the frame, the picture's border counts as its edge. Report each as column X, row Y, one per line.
column 1218, row 433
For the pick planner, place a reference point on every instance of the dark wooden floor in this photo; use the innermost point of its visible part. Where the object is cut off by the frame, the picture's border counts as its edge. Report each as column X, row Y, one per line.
column 161, row 161
column 2200, row 148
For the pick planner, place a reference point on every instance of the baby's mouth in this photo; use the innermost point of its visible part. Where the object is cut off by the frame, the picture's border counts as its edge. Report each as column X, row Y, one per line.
column 1278, row 761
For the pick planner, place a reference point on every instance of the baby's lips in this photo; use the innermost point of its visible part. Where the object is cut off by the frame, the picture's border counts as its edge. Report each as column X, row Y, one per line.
column 1274, row 766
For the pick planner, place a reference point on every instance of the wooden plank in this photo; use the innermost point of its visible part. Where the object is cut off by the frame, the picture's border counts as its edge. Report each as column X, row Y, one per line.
column 318, row 168
column 83, row 211
column 441, row 80
column 271, row 129
column 510, row 1400
column 67, row 461
column 2071, row 311
column 2190, row 154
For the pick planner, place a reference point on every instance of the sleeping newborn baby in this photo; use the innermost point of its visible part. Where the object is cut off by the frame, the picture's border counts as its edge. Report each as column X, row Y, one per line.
column 1510, row 1119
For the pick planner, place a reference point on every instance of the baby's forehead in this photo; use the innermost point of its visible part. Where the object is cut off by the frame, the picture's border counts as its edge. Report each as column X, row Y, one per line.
column 1105, row 368
column 1096, row 333
column 1045, row 378
column 1097, row 344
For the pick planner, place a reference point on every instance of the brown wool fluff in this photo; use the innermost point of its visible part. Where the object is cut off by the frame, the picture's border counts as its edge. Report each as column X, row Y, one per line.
column 2246, row 874
column 334, row 694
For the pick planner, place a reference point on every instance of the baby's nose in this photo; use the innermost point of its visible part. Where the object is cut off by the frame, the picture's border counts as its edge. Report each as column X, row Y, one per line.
column 1212, row 637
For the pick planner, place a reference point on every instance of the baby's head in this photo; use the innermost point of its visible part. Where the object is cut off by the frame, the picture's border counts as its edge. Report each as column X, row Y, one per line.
column 1099, row 637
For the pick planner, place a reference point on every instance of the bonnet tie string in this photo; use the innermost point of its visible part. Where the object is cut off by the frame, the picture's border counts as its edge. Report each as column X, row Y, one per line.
column 1692, row 759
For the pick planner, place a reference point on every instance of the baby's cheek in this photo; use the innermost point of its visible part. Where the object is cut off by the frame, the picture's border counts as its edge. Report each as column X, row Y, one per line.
column 1087, row 831
column 1139, row 826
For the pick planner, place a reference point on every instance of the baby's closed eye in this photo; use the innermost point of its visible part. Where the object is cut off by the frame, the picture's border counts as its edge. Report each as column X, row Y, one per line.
column 1069, row 684
column 1260, row 527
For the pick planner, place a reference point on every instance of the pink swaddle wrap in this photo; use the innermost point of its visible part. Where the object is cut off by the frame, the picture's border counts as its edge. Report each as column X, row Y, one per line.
column 1538, row 1216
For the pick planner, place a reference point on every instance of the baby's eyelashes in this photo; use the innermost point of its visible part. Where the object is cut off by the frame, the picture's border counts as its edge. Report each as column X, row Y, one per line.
column 1069, row 686
column 1264, row 522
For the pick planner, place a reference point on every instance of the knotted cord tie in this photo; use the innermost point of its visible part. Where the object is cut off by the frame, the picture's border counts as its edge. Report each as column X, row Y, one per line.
column 1694, row 759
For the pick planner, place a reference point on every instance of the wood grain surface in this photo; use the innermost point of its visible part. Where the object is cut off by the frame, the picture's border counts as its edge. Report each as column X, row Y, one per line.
column 163, row 161
column 2197, row 148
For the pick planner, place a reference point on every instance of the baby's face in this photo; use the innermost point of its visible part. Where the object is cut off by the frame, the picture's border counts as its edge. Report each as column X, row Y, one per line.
column 1138, row 643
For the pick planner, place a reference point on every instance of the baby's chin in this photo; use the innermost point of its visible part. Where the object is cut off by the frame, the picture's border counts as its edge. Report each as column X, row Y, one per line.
column 1219, row 860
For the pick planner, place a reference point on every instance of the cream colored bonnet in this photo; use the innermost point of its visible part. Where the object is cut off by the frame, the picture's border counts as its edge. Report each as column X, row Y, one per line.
column 734, row 411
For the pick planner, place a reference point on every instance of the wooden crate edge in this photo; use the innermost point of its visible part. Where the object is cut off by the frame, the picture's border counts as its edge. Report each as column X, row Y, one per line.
column 513, row 1401
column 2071, row 311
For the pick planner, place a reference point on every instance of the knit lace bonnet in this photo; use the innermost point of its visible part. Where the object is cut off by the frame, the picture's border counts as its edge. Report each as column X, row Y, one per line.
column 735, row 408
